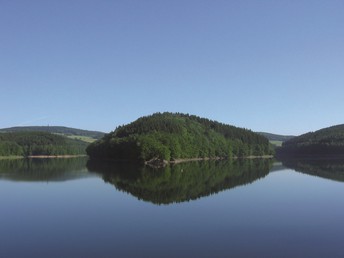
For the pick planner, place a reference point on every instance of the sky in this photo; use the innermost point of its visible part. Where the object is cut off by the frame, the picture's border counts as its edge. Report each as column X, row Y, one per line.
column 267, row 65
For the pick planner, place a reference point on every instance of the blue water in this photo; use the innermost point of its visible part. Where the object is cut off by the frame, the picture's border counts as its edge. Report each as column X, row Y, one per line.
column 75, row 213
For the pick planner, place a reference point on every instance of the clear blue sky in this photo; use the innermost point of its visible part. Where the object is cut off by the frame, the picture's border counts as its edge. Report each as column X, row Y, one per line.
column 275, row 66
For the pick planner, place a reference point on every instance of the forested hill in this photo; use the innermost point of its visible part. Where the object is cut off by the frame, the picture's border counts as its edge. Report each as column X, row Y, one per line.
column 39, row 143
column 171, row 136
column 324, row 142
column 55, row 129
column 276, row 137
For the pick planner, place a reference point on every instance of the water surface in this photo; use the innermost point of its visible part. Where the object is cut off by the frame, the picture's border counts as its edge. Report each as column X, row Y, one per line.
column 76, row 208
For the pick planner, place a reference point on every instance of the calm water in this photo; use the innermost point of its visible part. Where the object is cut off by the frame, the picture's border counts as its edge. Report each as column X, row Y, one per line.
column 75, row 208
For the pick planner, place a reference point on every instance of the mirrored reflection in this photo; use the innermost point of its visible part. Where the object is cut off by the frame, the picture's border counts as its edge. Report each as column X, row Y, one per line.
column 43, row 169
column 326, row 168
column 277, row 166
column 180, row 182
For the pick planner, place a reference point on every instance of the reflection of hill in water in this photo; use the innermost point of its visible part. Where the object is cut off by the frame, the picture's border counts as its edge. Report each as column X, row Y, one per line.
column 43, row 169
column 181, row 182
column 326, row 168
column 277, row 166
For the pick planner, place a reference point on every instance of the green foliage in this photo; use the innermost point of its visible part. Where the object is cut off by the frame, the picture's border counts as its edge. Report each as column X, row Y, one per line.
column 276, row 143
column 38, row 143
column 66, row 131
column 82, row 138
column 276, row 137
column 324, row 142
column 170, row 136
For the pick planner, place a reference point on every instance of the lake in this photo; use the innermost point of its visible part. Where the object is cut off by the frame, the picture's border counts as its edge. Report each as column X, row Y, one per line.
column 252, row 208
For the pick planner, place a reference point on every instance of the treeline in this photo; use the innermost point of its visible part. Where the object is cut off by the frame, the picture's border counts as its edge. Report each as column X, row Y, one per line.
column 276, row 137
column 38, row 143
column 170, row 136
column 68, row 131
column 325, row 142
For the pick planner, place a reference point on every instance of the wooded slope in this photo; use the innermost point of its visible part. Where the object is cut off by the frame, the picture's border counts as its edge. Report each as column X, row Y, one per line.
column 39, row 143
column 324, row 142
column 68, row 131
column 171, row 136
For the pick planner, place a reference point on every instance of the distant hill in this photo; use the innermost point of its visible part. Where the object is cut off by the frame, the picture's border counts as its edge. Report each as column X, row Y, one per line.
column 325, row 142
column 80, row 134
column 172, row 136
column 38, row 144
column 276, row 137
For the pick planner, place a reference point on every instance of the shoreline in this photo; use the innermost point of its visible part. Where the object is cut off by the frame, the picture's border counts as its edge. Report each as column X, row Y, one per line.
column 162, row 163
column 42, row 157
column 176, row 161
column 54, row 156
column 10, row 157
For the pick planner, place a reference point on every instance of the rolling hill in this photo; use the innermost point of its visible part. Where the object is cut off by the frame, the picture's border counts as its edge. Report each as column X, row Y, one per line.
column 84, row 135
column 173, row 136
column 28, row 144
column 276, row 137
column 324, row 142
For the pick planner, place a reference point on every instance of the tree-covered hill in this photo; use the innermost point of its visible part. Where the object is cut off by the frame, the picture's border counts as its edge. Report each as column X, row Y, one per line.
column 325, row 142
column 276, row 137
column 173, row 136
column 67, row 131
column 39, row 143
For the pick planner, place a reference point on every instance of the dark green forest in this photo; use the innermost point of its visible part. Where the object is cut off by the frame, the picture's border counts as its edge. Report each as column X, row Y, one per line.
column 56, row 130
column 39, row 143
column 325, row 142
column 180, row 182
column 173, row 136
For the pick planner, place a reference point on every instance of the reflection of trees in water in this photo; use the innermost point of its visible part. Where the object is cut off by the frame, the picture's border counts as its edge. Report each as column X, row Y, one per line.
column 43, row 169
column 181, row 182
column 325, row 168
